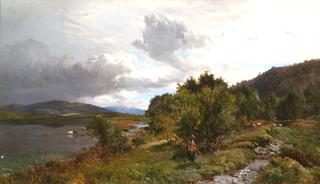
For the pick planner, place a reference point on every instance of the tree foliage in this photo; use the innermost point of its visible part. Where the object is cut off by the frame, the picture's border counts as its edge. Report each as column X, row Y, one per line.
column 160, row 112
column 271, row 107
column 207, row 114
column 248, row 102
column 108, row 135
column 207, row 108
column 203, row 107
column 312, row 94
column 292, row 106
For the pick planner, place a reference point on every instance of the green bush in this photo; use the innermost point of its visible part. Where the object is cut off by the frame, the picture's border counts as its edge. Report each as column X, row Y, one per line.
column 108, row 135
column 208, row 171
column 263, row 140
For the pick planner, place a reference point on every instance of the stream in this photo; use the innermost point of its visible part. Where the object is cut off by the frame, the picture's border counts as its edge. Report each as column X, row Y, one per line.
column 249, row 173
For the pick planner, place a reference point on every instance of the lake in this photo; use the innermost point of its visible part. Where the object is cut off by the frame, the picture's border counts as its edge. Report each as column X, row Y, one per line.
column 27, row 144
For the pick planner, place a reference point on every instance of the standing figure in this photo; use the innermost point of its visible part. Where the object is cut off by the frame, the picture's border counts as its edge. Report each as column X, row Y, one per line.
column 192, row 148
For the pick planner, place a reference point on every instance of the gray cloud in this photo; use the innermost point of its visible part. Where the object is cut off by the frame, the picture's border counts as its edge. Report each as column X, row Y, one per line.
column 28, row 73
column 163, row 37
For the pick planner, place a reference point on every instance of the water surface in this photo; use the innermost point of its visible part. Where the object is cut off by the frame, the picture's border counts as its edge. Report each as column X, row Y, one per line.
column 27, row 144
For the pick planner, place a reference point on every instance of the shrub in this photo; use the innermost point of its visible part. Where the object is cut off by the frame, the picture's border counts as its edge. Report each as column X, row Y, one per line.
column 263, row 140
column 242, row 144
column 108, row 136
column 232, row 159
column 294, row 153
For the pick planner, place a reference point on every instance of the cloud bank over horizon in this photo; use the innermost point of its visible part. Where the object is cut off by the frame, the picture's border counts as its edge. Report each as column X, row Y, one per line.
column 123, row 53
column 30, row 74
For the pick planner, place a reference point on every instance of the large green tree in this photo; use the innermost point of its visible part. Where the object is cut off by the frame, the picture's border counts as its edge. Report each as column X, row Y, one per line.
column 208, row 113
column 160, row 113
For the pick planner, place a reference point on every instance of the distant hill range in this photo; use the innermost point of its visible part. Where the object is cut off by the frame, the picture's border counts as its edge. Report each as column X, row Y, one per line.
column 127, row 110
column 57, row 107
column 281, row 80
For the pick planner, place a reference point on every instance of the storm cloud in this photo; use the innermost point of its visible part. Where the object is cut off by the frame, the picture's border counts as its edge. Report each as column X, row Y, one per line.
column 163, row 37
column 28, row 73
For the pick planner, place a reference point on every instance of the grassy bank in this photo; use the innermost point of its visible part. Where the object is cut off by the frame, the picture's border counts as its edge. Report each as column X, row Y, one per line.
column 59, row 120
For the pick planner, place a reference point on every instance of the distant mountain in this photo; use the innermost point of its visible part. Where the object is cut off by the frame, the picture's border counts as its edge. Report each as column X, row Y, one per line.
column 56, row 107
column 281, row 80
column 127, row 110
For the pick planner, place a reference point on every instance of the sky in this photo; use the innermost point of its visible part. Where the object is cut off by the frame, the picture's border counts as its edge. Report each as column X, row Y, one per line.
column 124, row 52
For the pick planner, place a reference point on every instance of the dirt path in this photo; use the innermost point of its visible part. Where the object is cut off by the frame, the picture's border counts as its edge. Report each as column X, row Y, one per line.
column 248, row 174
column 154, row 143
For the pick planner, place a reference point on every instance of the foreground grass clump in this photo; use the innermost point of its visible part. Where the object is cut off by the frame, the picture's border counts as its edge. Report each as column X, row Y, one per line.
column 248, row 139
column 285, row 170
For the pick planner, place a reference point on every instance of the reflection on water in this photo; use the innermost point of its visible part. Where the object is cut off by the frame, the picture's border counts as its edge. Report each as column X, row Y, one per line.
column 140, row 126
column 27, row 144
column 33, row 141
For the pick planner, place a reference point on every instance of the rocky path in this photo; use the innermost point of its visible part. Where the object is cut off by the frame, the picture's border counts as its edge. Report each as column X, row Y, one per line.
column 248, row 174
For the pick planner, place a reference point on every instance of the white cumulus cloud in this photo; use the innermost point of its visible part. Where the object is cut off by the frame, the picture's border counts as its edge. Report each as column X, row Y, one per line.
column 164, row 37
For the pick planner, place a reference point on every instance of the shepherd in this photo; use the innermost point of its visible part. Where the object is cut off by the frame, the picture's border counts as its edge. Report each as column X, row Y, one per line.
column 192, row 148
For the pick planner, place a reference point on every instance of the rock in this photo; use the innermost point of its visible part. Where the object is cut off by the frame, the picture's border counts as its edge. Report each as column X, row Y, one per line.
column 235, row 180
column 272, row 153
column 261, row 151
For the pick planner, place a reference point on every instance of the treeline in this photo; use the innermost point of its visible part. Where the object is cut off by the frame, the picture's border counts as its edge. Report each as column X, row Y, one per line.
column 207, row 108
column 282, row 80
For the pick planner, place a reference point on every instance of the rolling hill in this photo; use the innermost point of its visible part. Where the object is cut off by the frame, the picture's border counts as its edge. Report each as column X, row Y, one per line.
column 56, row 107
column 281, row 80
